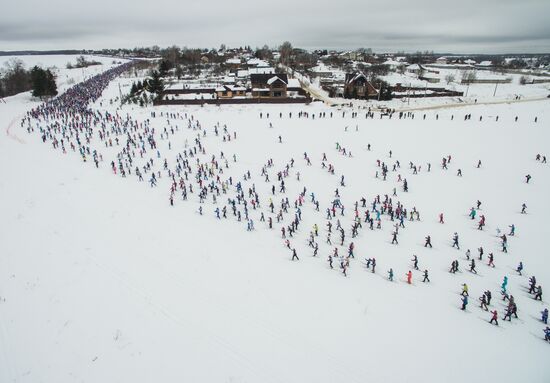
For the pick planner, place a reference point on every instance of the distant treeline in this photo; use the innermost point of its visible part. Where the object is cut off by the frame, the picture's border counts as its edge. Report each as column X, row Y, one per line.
column 38, row 53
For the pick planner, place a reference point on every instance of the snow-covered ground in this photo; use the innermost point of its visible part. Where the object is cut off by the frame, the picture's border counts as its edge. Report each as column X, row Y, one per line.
column 102, row 280
column 58, row 63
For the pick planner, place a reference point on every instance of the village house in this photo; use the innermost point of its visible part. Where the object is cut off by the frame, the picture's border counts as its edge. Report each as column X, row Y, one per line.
column 269, row 85
column 233, row 63
column 357, row 85
column 321, row 70
column 414, row 68
column 228, row 91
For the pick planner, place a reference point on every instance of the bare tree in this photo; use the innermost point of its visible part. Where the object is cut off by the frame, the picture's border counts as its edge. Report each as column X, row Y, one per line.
column 468, row 76
column 449, row 78
column 285, row 50
column 16, row 78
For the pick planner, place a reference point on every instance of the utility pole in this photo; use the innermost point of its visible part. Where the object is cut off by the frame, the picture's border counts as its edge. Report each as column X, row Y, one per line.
column 120, row 93
column 495, row 92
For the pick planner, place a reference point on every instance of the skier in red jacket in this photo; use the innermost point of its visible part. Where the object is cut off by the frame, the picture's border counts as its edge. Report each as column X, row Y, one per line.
column 495, row 317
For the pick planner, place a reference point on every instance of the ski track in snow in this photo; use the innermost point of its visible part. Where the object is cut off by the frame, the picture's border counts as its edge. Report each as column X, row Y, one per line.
column 7, row 368
column 179, row 320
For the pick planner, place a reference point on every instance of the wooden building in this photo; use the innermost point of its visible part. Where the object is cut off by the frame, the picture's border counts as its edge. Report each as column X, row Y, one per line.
column 269, row 85
column 357, row 85
column 228, row 91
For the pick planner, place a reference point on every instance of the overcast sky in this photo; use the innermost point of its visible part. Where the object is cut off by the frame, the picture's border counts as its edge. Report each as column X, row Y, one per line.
column 461, row 26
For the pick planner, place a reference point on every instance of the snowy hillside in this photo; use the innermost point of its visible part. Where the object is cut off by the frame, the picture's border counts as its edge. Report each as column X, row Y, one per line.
column 102, row 279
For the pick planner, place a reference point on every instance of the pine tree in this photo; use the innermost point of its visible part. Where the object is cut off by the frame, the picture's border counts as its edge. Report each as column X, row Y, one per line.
column 156, row 85
column 51, row 86
column 38, row 80
column 164, row 67
column 43, row 82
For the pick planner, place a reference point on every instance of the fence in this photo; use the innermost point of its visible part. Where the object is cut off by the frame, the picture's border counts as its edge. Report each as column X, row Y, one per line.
column 228, row 101
column 486, row 81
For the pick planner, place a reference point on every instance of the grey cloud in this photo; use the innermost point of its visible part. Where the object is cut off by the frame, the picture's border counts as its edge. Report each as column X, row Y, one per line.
column 466, row 26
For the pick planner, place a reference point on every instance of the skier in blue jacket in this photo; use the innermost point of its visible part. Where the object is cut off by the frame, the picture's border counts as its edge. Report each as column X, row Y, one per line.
column 464, row 302
column 545, row 316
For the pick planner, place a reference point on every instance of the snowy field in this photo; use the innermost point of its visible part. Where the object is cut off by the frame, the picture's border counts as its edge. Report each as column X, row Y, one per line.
column 101, row 279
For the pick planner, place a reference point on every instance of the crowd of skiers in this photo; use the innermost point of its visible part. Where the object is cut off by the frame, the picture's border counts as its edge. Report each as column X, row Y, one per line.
column 138, row 149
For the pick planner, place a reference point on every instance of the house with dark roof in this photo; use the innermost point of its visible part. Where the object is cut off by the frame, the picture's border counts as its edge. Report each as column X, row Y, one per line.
column 269, row 85
column 357, row 85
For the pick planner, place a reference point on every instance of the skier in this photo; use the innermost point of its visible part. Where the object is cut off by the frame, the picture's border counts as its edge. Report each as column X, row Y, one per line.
column 495, row 317
column 455, row 241
column 481, row 222
column 547, row 334
column 473, row 266
column 350, row 250
column 428, row 242
column 489, row 297
column 509, row 312
column 544, row 316
column 504, row 283
column 390, row 277
column 415, row 262
column 464, row 289
column 394, row 239
column 504, row 243
column 454, row 267
column 532, row 284
column 520, row 268
column 491, row 259
column 464, row 302
column 480, row 250
column 409, row 277
column 538, row 294
column 483, row 304
column 426, row 279
column 294, row 255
